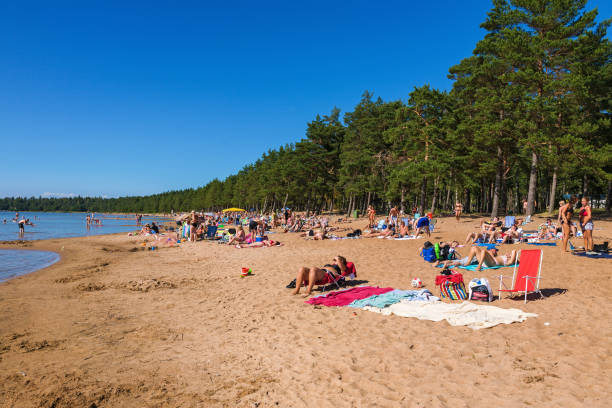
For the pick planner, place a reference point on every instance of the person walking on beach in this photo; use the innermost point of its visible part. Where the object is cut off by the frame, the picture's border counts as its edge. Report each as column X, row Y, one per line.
column 458, row 210
column 393, row 214
column 371, row 216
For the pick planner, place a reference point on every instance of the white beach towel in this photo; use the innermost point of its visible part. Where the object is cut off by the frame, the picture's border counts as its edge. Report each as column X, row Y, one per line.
column 464, row 314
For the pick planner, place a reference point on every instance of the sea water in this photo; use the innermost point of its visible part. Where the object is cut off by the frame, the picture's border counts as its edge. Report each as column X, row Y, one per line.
column 54, row 225
column 15, row 262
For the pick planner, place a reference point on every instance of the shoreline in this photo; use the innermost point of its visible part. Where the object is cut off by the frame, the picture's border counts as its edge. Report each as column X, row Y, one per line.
column 113, row 325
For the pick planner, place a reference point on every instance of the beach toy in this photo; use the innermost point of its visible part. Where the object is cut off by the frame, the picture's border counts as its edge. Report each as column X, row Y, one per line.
column 416, row 283
column 246, row 272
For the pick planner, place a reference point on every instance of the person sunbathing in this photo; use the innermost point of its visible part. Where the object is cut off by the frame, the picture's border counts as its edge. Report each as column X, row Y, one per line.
column 320, row 276
column 472, row 237
column 404, row 229
column 511, row 235
column 548, row 230
column 239, row 237
column 385, row 233
column 264, row 243
column 486, row 257
column 450, row 253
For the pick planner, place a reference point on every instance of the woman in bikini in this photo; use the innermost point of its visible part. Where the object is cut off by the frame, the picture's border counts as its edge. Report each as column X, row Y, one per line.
column 586, row 224
column 458, row 210
column 319, row 276
column 566, row 213
column 491, row 257
column 239, row 237
column 371, row 216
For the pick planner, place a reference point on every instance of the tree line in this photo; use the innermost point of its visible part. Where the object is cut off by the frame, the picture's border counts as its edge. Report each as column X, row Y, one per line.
column 528, row 118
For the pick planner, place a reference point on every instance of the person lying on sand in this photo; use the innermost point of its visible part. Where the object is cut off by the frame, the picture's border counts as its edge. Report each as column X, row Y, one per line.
column 511, row 235
column 486, row 257
column 451, row 250
column 388, row 232
column 264, row 243
column 472, row 237
column 319, row 276
column 548, row 230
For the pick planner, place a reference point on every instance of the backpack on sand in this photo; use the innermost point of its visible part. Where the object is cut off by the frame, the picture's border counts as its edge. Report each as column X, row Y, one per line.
column 480, row 289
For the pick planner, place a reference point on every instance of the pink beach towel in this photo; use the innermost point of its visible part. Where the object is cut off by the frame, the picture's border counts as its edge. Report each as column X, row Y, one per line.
column 345, row 297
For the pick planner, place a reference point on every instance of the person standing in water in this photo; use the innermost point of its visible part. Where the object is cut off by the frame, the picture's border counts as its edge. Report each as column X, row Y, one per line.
column 22, row 223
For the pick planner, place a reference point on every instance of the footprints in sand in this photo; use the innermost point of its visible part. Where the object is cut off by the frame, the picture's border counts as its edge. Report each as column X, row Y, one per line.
column 84, row 272
column 142, row 285
column 91, row 287
column 147, row 285
column 20, row 343
column 537, row 372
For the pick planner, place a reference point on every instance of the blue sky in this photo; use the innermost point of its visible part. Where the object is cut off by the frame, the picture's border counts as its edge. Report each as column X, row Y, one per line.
column 105, row 98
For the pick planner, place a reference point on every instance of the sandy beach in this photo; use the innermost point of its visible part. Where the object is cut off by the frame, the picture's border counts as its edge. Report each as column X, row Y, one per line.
column 114, row 325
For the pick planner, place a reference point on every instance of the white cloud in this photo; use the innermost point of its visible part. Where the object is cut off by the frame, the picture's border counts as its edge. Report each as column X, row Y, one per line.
column 57, row 195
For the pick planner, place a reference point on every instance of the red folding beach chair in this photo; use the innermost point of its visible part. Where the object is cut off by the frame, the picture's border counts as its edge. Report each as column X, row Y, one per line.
column 527, row 277
column 351, row 273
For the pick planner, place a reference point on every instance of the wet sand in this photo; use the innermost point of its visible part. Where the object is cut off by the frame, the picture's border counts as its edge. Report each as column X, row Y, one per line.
column 113, row 325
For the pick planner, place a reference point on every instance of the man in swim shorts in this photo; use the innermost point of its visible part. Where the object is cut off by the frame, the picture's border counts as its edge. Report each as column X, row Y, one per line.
column 422, row 223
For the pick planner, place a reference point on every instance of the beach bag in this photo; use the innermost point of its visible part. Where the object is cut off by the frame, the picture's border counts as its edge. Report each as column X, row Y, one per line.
column 451, row 286
column 480, row 289
column 428, row 254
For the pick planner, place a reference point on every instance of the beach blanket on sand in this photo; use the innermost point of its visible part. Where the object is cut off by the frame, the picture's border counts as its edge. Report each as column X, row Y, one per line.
column 592, row 254
column 543, row 243
column 472, row 267
column 464, row 314
column 345, row 297
column 394, row 296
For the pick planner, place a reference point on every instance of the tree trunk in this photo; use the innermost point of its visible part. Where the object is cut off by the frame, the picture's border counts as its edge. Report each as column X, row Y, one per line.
column 553, row 190
column 435, row 194
column 369, row 198
column 265, row 205
column 285, row 202
column 402, row 200
column 585, row 185
column 350, row 205
column 533, row 177
column 498, row 181
column 422, row 199
column 609, row 197
column 448, row 195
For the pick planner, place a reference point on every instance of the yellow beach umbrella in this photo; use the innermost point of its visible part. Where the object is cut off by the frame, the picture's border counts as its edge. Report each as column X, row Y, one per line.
column 234, row 210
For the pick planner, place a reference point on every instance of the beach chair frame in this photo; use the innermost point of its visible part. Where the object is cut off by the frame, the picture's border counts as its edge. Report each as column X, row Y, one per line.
column 504, row 288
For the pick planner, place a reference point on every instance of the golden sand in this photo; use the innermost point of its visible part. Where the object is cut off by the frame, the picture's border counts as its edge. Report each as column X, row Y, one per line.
column 111, row 325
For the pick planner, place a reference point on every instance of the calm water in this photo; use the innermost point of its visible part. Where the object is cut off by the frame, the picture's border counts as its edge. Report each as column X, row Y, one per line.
column 14, row 262
column 53, row 225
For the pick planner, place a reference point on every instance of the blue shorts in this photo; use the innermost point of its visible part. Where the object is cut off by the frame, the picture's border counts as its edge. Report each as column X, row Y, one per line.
column 423, row 222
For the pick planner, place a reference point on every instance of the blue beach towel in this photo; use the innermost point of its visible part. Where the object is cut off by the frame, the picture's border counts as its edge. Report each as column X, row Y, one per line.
column 543, row 243
column 392, row 297
column 473, row 266
column 489, row 246
column 593, row 255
